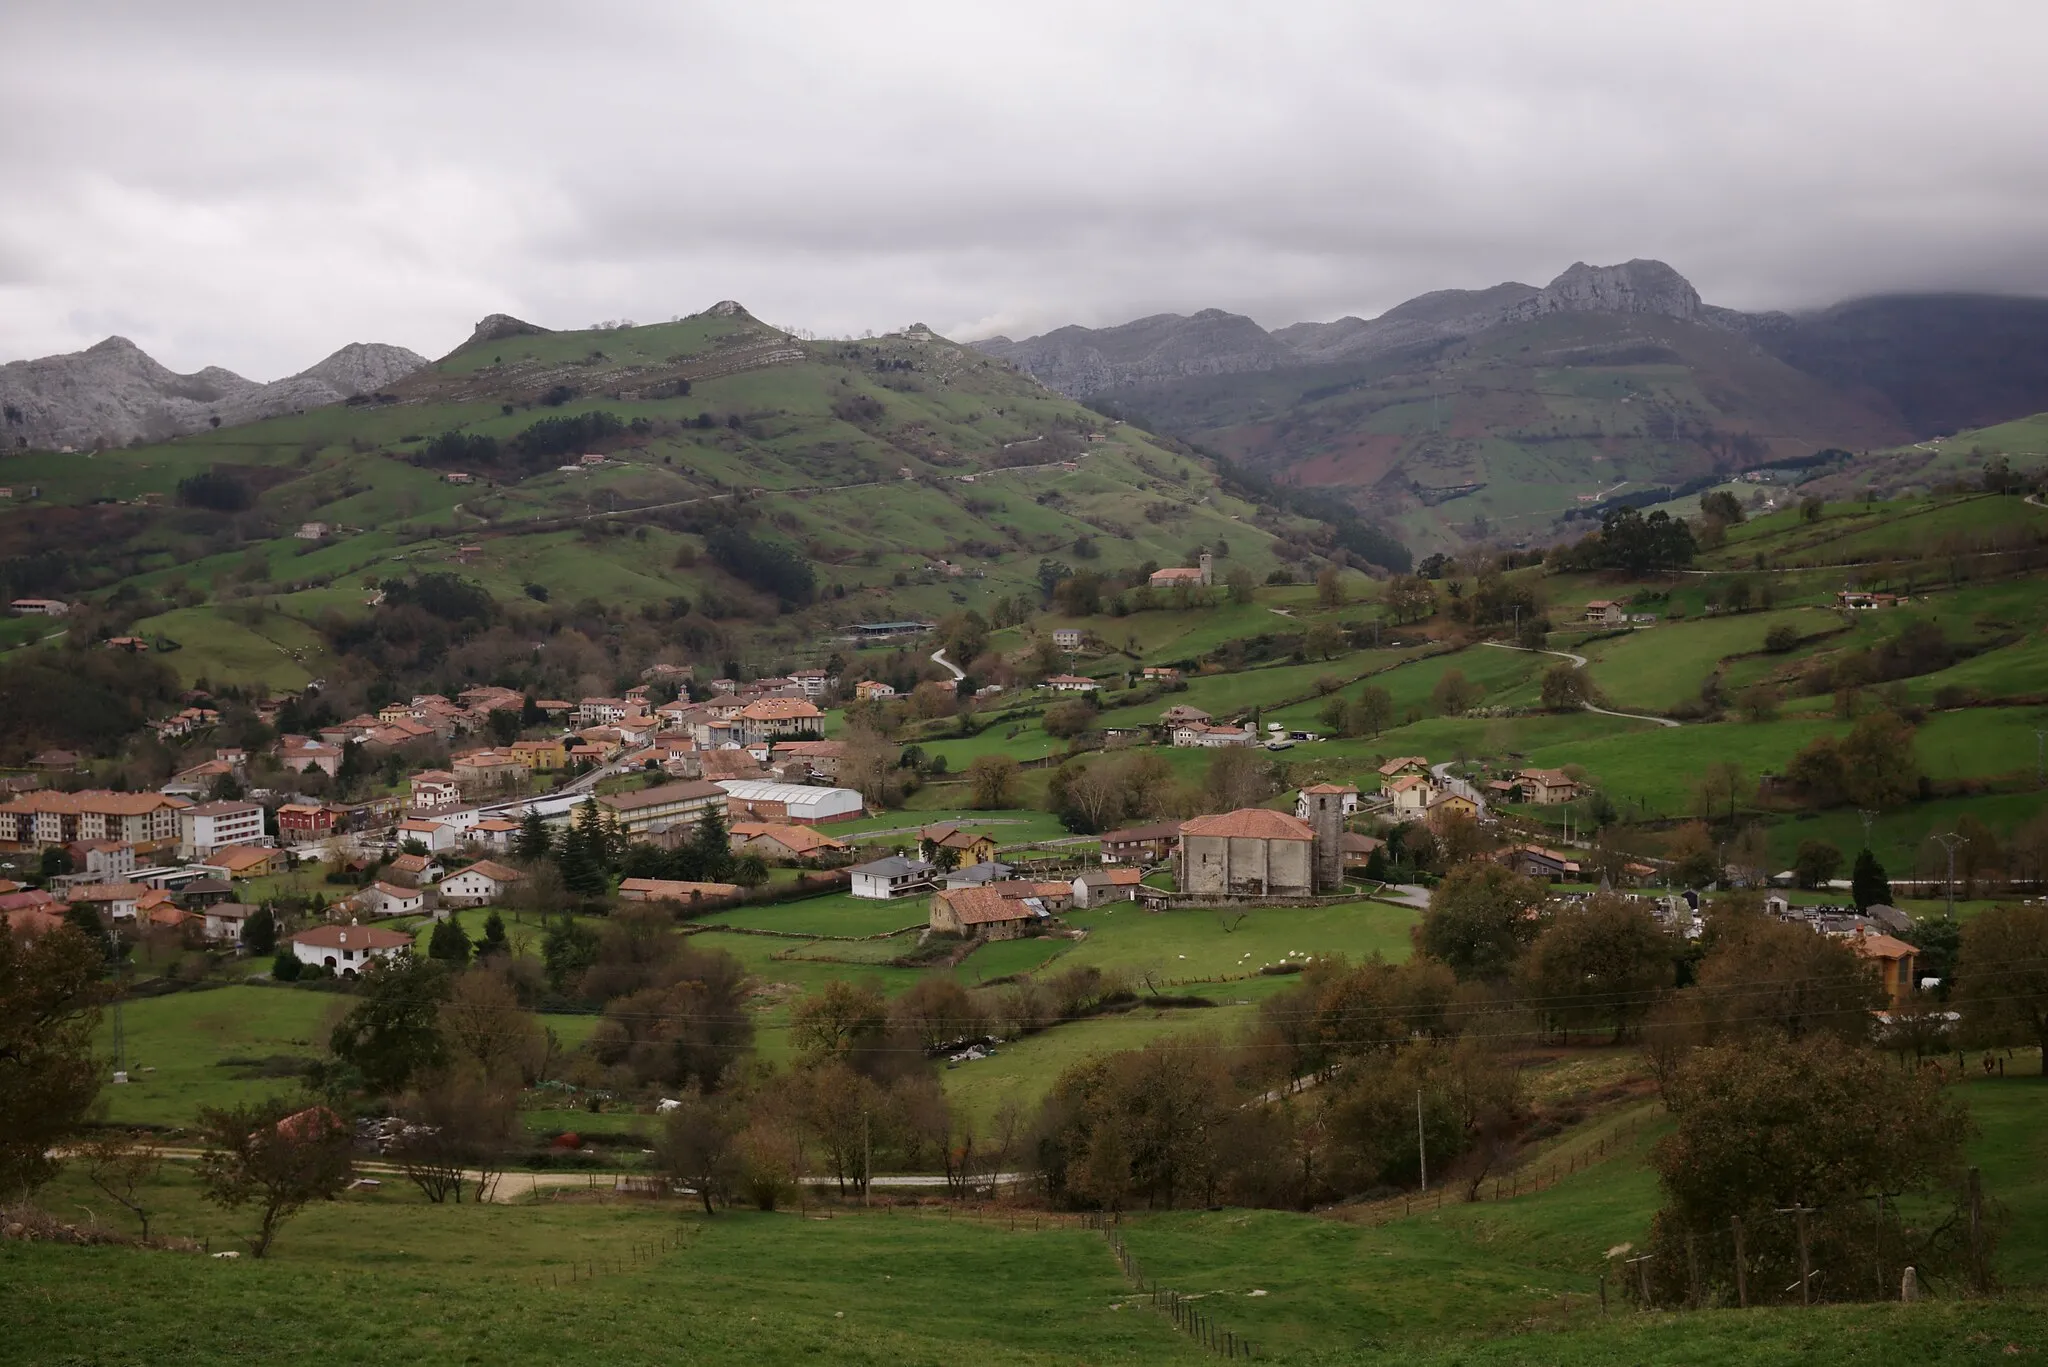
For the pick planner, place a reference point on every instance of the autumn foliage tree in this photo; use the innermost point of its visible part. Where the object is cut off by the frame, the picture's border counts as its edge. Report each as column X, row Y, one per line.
column 49, row 1007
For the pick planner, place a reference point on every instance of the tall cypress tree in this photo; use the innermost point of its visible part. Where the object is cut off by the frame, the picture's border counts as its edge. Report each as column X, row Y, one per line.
column 494, row 941
column 534, row 840
column 449, row 943
column 1868, row 884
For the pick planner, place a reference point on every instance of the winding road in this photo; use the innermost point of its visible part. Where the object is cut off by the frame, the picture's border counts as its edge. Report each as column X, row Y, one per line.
column 939, row 659
column 1579, row 662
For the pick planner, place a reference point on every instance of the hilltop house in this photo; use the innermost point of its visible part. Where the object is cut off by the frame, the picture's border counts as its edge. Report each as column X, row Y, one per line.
column 1067, row 638
column 1202, row 575
column 1548, row 787
column 1605, row 612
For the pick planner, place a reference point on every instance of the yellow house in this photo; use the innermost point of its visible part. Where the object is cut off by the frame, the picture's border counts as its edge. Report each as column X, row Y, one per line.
column 540, row 754
column 1894, row 959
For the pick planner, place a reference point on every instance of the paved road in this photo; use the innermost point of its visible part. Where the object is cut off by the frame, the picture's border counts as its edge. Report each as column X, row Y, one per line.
column 1579, row 662
column 939, row 659
column 1450, row 783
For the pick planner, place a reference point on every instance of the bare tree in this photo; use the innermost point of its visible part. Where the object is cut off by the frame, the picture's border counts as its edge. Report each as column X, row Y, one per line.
column 123, row 1166
column 274, row 1159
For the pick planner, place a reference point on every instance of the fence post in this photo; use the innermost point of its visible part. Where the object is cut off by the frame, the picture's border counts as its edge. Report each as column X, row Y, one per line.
column 1692, row 1269
column 1741, row 1266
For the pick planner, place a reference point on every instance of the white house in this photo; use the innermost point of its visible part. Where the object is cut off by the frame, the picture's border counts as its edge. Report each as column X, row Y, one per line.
column 479, row 885
column 346, row 949
column 388, row 899
column 1071, row 683
column 212, row 825
column 894, row 876
column 437, row 836
column 1347, row 790
column 224, row 921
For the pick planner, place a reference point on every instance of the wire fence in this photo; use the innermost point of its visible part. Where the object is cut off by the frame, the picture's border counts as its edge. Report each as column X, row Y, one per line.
column 1194, row 1321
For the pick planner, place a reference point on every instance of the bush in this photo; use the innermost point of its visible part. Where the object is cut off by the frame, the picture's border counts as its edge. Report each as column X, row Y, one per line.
column 286, row 968
column 1781, row 638
column 216, row 490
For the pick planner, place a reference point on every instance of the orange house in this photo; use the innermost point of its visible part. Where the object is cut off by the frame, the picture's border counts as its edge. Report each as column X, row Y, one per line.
column 1894, row 959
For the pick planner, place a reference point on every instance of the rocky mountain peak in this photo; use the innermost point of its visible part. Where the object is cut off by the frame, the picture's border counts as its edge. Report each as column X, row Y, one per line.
column 1632, row 287
column 501, row 325
column 727, row 308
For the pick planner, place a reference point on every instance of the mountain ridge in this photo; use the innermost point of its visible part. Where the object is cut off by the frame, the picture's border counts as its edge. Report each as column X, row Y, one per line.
column 113, row 393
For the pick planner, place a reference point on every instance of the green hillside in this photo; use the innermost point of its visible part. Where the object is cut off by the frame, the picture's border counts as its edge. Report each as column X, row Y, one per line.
column 872, row 462
column 1505, row 431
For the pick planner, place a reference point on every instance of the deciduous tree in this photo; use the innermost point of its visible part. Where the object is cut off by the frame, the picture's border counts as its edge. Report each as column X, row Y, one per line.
column 274, row 1158
column 2002, row 976
column 1480, row 920
column 50, row 992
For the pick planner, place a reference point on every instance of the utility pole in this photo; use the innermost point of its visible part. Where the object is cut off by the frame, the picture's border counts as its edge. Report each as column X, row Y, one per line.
column 1421, row 1145
column 867, row 1162
column 1949, row 840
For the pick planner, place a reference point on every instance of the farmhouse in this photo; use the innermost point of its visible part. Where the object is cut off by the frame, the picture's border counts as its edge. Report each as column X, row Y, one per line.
column 1534, row 861
column 388, row 899
column 345, row 949
column 1404, row 764
column 985, row 913
column 978, row 875
column 1605, row 612
column 1251, row 850
column 1548, row 787
column 783, row 843
column 893, row 876
column 1098, row 887
column 1358, row 849
column 1141, row 844
column 969, row 847
column 1067, row 638
column 820, row 757
column 417, row 870
column 873, row 690
column 1202, row 575
column 1201, row 735
column 224, row 921
column 480, row 884
column 1411, row 794
column 1071, row 683
column 1181, row 713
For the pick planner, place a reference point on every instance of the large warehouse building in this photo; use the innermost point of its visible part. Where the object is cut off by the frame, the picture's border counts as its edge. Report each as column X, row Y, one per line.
column 753, row 799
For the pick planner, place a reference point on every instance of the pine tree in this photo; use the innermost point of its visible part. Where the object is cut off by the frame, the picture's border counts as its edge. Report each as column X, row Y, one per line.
column 259, row 931
column 449, row 943
column 494, row 941
column 711, row 848
column 534, row 840
column 583, row 871
column 1868, row 884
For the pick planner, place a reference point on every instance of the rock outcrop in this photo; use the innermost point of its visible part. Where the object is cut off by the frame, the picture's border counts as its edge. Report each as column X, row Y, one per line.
column 114, row 393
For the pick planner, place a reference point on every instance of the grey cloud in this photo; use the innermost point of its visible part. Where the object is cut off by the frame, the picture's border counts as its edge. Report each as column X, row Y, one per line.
column 253, row 184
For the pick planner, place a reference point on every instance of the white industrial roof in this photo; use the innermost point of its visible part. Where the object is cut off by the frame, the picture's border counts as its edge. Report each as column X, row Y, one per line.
column 767, row 790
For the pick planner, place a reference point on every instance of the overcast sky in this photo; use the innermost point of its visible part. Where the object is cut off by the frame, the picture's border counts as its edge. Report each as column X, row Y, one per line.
column 254, row 184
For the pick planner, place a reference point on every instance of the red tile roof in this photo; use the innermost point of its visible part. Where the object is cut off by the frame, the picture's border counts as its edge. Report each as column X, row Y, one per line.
column 1249, row 823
